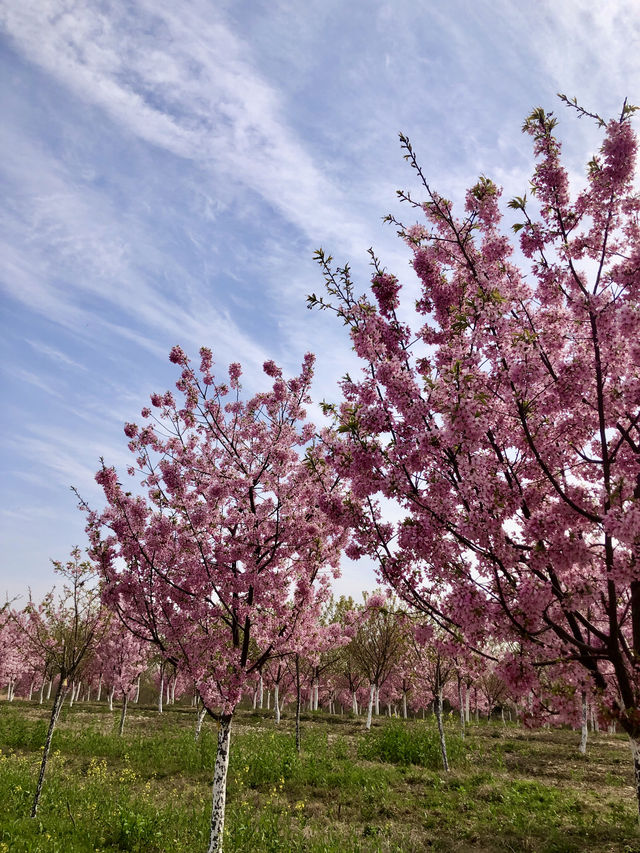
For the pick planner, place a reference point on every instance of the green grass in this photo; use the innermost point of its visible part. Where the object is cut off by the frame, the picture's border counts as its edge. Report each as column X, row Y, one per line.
column 350, row 790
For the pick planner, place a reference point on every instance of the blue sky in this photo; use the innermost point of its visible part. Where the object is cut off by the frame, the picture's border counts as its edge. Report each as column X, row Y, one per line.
column 168, row 169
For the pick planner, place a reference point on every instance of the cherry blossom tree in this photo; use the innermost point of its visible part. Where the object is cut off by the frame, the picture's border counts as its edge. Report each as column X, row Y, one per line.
column 64, row 630
column 121, row 657
column 377, row 645
column 503, row 416
column 220, row 560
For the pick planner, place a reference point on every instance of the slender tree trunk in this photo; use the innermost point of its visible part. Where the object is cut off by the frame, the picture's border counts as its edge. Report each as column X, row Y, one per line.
column 200, row 719
column 123, row 714
column 55, row 712
column 635, row 751
column 467, row 705
column 42, row 691
column 315, row 693
column 268, row 700
column 72, row 693
column 461, row 707
column 111, row 692
column 377, row 701
column 298, row 703
column 372, row 690
column 161, row 693
column 354, row 704
column 276, row 702
column 50, row 685
column 443, row 743
column 137, row 690
column 173, row 691
column 584, row 734
column 261, row 692
column 220, row 785
column 404, row 706
column 99, row 688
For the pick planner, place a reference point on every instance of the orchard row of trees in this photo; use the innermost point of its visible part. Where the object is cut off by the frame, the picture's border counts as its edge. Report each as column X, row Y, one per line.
column 359, row 657
column 497, row 418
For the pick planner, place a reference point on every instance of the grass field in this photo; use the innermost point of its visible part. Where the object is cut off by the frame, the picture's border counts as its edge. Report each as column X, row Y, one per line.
column 509, row 789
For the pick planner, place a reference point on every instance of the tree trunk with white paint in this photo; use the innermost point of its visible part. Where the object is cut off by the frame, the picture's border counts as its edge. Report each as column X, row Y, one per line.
column 584, row 734
column 635, row 752
column 443, row 743
column 200, row 719
column 123, row 714
column 137, row 691
column 354, row 704
column 55, row 713
column 111, row 692
column 467, row 705
column 298, row 703
column 377, row 701
column 404, row 706
column 461, row 707
column 220, row 785
column 261, row 692
column 276, row 702
column 99, row 688
column 161, row 693
column 372, row 690
column 72, row 693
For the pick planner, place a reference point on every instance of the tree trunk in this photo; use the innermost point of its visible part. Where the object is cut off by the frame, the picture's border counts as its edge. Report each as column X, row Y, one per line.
column 55, row 711
column 298, row 703
column 354, row 704
column 404, row 706
column 467, row 705
column 72, row 693
column 276, row 702
column 220, row 785
column 137, row 691
column 584, row 732
column 461, row 707
column 50, row 685
column 201, row 715
column 315, row 693
column 443, row 743
column 261, row 693
column 111, row 692
column 377, row 701
column 635, row 751
column 372, row 690
column 99, row 688
column 173, row 691
column 42, row 691
column 161, row 693
column 268, row 700
column 125, row 702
